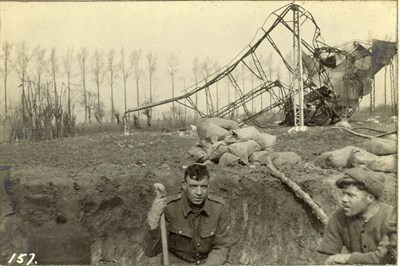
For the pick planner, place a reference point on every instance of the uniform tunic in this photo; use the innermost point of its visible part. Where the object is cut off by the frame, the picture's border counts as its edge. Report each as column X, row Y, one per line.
column 366, row 241
column 194, row 235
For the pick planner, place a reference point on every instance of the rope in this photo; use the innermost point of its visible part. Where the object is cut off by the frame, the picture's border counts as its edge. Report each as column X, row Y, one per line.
column 364, row 135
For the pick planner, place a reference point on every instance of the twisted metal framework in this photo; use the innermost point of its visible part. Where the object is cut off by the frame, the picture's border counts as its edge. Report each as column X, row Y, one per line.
column 318, row 88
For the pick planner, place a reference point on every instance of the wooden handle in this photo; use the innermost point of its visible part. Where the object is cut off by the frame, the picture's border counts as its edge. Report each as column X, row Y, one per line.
column 164, row 240
column 161, row 192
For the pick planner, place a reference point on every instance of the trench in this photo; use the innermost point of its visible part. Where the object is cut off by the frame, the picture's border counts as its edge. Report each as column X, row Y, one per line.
column 82, row 220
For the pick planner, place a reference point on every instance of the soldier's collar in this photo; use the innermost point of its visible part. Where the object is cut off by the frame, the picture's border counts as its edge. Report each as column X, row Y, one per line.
column 186, row 207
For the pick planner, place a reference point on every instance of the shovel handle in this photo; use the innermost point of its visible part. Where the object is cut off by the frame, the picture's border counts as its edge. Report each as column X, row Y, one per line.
column 160, row 190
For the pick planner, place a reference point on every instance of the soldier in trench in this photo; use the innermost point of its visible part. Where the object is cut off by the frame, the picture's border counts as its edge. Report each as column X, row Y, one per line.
column 198, row 224
column 360, row 224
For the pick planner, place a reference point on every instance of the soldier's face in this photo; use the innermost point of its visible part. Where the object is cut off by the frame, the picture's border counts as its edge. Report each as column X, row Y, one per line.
column 196, row 191
column 354, row 201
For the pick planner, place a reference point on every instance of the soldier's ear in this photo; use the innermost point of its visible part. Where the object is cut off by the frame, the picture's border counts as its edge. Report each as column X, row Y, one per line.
column 183, row 184
column 370, row 198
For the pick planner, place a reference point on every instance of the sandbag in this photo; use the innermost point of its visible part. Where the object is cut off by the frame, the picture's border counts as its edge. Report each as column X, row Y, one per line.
column 258, row 156
column 267, row 140
column 263, row 139
column 228, row 159
column 224, row 123
column 335, row 159
column 199, row 154
column 385, row 164
column 207, row 130
column 285, row 158
column 392, row 137
column 247, row 133
column 217, row 150
column 380, row 146
column 244, row 149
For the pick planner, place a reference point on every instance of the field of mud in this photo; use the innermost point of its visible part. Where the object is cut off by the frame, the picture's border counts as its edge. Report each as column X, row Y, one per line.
column 83, row 200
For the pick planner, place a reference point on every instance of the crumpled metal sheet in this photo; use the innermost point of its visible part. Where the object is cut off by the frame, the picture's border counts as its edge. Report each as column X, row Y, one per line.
column 382, row 53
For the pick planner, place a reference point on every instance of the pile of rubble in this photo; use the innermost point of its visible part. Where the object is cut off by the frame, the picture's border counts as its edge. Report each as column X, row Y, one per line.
column 226, row 143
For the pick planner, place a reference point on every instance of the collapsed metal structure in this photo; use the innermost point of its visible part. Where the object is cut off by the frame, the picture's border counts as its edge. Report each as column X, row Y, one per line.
column 326, row 83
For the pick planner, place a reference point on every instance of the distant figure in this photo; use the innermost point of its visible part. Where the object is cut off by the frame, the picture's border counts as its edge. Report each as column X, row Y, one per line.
column 198, row 224
column 117, row 117
column 136, row 122
column 361, row 224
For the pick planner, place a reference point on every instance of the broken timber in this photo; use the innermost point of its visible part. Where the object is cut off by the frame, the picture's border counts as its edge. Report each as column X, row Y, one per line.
column 316, row 209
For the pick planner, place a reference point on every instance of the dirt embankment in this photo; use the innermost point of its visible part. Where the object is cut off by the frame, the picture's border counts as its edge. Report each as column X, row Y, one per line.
column 83, row 200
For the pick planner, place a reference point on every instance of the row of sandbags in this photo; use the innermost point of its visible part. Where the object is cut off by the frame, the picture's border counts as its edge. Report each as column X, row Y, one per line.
column 226, row 142
column 352, row 156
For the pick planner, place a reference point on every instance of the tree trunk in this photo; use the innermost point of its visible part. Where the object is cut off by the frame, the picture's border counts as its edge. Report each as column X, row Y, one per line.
column 173, row 103
column 137, row 98
column 98, row 96
column 125, row 93
column 112, row 103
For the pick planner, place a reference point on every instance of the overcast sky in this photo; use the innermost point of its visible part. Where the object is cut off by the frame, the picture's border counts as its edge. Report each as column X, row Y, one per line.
column 218, row 30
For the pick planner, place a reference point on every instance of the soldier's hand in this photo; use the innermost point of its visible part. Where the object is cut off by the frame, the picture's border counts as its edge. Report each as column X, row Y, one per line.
column 157, row 208
column 337, row 259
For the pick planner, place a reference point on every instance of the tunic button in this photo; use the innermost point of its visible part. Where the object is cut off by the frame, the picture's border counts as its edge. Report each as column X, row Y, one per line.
column 364, row 246
column 198, row 244
column 198, row 262
column 212, row 233
column 180, row 232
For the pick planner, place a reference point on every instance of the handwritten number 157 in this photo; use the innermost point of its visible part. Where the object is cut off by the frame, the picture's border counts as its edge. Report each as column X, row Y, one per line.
column 20, row 258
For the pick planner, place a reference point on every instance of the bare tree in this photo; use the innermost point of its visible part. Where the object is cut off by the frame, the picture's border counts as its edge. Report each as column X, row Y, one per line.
column 91, row 104
column 98, row 72
column 196, row 69
column 37, row 105
column 137, row 73
column 172, row 63
column 151, row 68
column 67, row 63
column 113, row 73
column 40, row 65
column 184, row 89
column 6, row 48
column 68, row 120
column 57, row 101
column 82, row 59
column 23, row 59
column 126, row 71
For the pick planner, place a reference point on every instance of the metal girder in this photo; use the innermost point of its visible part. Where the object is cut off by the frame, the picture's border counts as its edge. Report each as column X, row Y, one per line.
column 392, row 89
column 372, row 99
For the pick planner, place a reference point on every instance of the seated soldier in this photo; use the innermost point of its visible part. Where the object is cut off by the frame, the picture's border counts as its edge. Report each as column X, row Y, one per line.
column 198, row 224
column 361, row 224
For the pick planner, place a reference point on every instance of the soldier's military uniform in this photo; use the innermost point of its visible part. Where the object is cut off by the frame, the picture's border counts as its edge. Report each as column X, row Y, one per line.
column 194, row 235
column 366, row 241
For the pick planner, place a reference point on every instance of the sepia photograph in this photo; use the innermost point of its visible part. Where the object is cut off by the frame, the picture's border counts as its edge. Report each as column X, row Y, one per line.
column 198, row 132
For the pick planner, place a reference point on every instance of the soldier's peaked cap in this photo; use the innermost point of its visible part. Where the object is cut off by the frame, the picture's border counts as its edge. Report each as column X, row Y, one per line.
column 374, row 182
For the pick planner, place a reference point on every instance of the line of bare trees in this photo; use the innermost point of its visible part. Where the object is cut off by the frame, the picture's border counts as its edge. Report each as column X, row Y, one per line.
column 50, row 88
